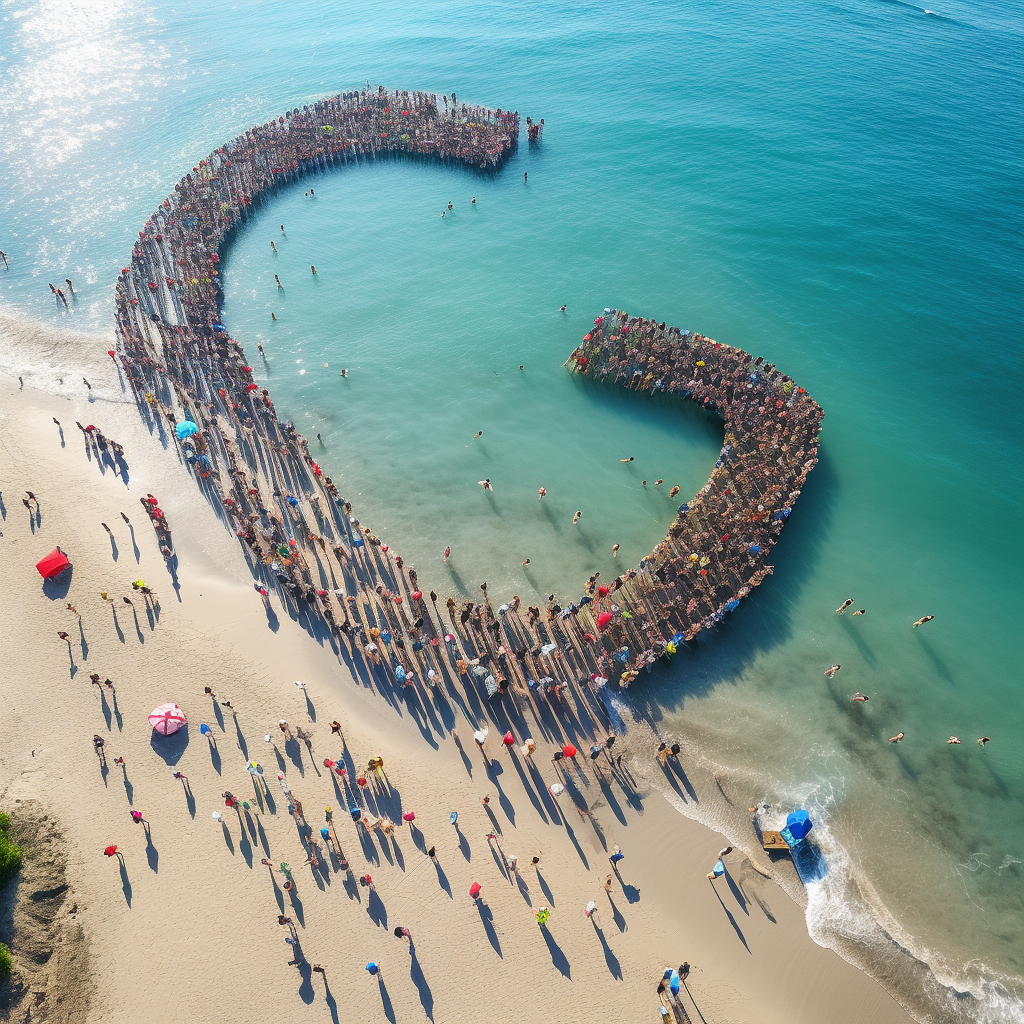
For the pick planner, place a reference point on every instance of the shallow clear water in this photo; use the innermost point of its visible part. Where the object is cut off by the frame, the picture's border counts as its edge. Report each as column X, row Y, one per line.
column 835, row 186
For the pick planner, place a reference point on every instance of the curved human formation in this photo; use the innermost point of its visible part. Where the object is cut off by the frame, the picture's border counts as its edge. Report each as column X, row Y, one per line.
column 190, row 376
column 716, row 550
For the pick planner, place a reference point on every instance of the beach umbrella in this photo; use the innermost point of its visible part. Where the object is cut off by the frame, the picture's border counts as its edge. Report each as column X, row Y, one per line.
column 603, row 619
column 569, row 750
column 798, row 824
column 110, row 851
column 508, row 739
column 409, row 816
column 673, row 980
column 53, row 564
column 556, row 789
column 167, row 719
column 355, row 812
column 474, row 890
column 186, row 428
column 480, row 735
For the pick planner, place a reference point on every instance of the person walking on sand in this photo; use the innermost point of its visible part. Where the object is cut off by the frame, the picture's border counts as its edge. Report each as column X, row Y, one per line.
column 616, row 856
column 717, row 871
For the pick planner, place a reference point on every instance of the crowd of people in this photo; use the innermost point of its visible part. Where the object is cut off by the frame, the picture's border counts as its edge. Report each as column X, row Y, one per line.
column 300, row 534
column 716, row 550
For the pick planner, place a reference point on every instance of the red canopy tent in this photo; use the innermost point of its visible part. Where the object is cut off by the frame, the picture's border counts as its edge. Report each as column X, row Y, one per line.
column 53, row 564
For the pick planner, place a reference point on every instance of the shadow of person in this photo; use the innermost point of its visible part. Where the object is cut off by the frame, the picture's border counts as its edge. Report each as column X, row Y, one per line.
column 732, row 921
column 416, row 973
column 620, row 921
column 385, row 1000
column 487, row 919
column 558, row 958
column 612, row 961
column 126, row 885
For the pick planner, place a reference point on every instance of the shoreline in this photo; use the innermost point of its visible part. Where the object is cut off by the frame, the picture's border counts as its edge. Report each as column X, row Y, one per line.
column 223, row 636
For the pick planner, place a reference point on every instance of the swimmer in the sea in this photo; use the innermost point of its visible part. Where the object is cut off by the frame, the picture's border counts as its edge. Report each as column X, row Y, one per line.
column 859, row 697
column 984, row 740
column 541, row 491
column 615, row 551
column 860, row 611
column 952, row 739
column 832, row 670
column 841, row 610
column 485, row 484
column 924, row 618
column 630, row 459
column 897, row 737
column 576, row 518
column 477, row 434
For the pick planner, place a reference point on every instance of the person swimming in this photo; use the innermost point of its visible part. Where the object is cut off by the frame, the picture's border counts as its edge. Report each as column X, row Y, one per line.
column 841, row 610
column 924, row 618
column 832, row 670
column 859, row 697
column 897, row 737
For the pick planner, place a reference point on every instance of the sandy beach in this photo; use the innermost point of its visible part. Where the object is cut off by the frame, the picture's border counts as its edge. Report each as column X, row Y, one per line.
column 186, row 925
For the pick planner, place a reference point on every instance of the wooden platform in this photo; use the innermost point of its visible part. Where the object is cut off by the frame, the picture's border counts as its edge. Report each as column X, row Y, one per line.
column 773, row 841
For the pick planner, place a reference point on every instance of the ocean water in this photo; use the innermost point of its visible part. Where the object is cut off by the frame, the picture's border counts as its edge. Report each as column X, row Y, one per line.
column 835, row 186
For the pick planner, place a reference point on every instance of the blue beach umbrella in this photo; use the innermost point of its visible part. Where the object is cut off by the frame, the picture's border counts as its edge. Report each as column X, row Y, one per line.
column 798, row 824
column 186, row 428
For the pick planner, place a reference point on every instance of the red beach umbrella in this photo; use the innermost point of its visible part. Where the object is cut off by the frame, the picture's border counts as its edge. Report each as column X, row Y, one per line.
column 603, row 619
column 474, row 890
column 53, row 564
column 569, row 750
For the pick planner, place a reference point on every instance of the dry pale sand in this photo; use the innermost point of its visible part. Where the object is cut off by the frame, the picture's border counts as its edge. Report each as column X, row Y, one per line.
column 189, row 930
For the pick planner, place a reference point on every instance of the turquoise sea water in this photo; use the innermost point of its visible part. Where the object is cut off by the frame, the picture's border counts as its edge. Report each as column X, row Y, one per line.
column 835, row 186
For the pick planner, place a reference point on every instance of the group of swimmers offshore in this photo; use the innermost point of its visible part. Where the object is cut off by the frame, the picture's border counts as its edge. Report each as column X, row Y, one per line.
column 860, row 698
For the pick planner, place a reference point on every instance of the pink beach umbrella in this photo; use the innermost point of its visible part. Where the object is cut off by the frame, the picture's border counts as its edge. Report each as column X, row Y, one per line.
column 167, row 719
